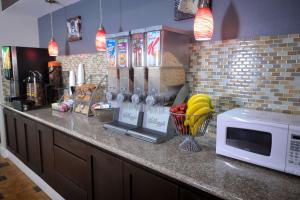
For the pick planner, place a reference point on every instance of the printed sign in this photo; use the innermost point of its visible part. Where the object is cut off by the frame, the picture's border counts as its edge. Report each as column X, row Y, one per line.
column 111, row 52
column 153, row 48
column 137, row 43
column 129, row 113
column 122, row 52
column 156, row 118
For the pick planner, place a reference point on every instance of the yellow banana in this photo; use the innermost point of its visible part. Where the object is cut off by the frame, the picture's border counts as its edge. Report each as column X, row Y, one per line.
column 186, row 122
column 199, row 95
column 200, row 98
column 198, row 113
column 197, row 125
column 194, row 107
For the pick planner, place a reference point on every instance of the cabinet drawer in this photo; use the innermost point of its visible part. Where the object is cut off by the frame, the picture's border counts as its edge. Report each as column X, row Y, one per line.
column 69, row 190
column 72, row 167
column 72, row 145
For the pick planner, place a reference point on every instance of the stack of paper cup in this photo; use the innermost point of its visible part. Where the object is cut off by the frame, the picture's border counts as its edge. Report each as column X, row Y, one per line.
column 80, row 75
column 71, row 81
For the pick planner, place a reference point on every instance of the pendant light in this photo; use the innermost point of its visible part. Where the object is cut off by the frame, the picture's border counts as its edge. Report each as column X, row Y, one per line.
column 101, row 34
column 204, row 23
column 52, row 45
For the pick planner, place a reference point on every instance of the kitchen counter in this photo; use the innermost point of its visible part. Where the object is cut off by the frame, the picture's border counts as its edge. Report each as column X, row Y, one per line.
column 217, row 175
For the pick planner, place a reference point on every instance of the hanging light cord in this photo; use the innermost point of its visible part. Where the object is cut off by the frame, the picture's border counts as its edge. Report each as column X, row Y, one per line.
column 51, row 23
column 121, row 15
column 100, row 12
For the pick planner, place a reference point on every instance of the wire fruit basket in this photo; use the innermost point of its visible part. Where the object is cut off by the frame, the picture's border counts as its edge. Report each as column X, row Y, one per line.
column 189, row 132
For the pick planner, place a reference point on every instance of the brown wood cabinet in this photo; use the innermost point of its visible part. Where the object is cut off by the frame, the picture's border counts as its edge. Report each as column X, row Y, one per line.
column 10, row 125
column 78, row 170
column 32, row 144
column 45, row 135
column 73, row 164
column 107, row 176
column 21, row 139
column 140, row 184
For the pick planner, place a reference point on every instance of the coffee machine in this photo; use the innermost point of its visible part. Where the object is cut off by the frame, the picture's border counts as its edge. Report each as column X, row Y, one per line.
column 159, row 56
column 18, row 63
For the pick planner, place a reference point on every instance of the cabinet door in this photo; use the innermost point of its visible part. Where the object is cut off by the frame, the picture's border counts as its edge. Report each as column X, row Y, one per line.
column 140, row 184
column 10, row 126
column 21, row 138
column 74, row 172
column 33, row 145
column 47, row 156
column 107, row 176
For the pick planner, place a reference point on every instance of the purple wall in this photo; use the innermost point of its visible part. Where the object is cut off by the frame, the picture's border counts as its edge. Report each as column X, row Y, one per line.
column 233, row 19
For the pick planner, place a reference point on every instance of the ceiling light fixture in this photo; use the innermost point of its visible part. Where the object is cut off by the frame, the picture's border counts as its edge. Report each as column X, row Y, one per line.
column 101, row 34
column 204, row 22
column 52, row 45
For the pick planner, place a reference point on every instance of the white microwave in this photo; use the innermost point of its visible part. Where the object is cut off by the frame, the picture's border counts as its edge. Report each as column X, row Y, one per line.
column 263, row 138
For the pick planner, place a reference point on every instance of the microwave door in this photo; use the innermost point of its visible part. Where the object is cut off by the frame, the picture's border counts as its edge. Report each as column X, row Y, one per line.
column 254, row 143
column 258, row 142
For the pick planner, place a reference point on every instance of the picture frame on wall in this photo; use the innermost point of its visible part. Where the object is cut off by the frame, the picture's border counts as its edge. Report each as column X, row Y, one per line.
column 74, row 29
column 185, row 9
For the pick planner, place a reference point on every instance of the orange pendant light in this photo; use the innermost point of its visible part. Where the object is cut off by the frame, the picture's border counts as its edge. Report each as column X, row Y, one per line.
column 52, row 47
column 101, row 39
column 101, row 34
column 204, row 23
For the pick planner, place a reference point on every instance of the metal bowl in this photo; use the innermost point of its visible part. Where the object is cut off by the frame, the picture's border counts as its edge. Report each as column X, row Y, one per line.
column 104, row 115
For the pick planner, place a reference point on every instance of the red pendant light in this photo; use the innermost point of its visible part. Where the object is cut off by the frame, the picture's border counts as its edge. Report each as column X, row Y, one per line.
column 101, row 39
column 52, row 47
column 204, row 23
column 101, row 34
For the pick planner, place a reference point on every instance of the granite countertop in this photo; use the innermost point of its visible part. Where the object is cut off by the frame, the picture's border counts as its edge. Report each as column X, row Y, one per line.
column 220, row 176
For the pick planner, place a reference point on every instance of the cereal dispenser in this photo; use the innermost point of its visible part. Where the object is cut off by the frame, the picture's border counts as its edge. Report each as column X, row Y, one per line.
column 113, row 72
column 138, row 46
column 128, row 115
column 166, row 58
column 124, row 66
column 155, row 61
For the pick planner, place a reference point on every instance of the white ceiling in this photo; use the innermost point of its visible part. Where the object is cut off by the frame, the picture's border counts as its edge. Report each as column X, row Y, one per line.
column 36, row 8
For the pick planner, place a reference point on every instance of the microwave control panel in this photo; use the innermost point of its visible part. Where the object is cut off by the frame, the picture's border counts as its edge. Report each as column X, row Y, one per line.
column 293, row 153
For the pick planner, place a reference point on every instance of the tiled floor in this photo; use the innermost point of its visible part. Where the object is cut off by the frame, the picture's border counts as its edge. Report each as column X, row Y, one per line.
column 15, row 185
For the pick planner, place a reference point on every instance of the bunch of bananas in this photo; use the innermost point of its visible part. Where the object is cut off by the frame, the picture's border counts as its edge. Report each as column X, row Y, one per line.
column 198, row 108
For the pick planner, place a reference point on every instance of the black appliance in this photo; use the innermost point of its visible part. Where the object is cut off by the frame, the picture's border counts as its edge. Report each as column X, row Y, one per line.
column 17, row 64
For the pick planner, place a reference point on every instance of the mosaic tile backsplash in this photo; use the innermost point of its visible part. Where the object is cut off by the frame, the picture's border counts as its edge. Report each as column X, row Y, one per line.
column 95, row 65
column 263, row 73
